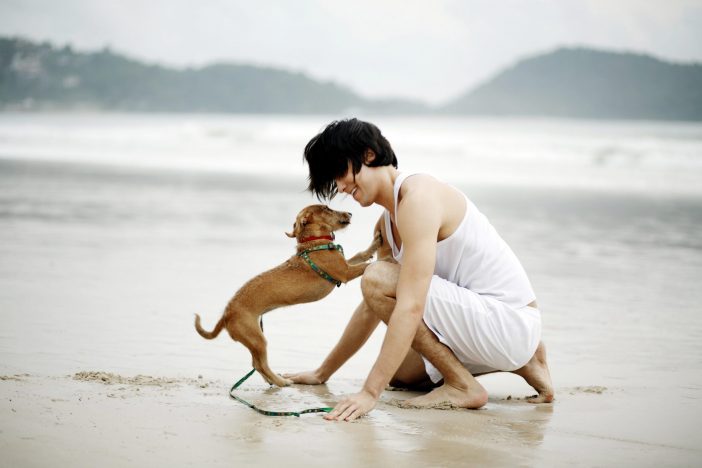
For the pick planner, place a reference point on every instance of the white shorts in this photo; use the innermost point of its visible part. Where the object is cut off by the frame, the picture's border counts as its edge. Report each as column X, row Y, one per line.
column 485, row 334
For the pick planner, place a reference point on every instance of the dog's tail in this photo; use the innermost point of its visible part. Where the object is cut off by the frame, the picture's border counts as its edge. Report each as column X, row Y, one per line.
column 204, row 333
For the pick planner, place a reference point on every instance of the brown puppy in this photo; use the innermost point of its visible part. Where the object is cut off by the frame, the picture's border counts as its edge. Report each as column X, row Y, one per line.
column 292, row 282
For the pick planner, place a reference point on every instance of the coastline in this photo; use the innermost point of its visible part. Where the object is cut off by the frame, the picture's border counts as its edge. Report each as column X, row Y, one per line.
column 99, row 418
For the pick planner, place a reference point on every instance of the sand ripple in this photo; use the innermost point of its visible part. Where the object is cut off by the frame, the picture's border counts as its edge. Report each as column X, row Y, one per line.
column 589, row 389
column 109, row 378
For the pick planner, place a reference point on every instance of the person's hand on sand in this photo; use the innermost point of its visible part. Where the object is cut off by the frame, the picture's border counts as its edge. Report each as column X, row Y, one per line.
column 352, row 407
column 306, row 378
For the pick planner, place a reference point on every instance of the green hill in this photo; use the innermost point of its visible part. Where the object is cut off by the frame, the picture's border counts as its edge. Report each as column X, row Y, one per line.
column 586, row 83
column 40, row 76
column 569, row 82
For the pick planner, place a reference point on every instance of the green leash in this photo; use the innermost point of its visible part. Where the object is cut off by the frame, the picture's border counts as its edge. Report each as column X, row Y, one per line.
column 267, row 412
column 271, row 413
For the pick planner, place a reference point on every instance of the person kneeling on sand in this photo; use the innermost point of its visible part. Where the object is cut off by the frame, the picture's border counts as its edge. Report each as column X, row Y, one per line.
column 457, row 303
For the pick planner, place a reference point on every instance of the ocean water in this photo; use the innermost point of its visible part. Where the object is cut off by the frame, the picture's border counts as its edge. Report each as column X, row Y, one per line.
column 115, row 229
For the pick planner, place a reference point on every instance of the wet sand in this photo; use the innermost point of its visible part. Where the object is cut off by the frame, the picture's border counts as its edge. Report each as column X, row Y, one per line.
column 104, row 419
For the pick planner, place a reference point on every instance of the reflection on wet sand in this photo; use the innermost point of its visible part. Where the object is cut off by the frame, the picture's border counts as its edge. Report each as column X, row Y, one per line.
column 502, row 432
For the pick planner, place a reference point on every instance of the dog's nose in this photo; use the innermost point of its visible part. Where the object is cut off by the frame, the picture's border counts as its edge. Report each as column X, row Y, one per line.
column 350, row 214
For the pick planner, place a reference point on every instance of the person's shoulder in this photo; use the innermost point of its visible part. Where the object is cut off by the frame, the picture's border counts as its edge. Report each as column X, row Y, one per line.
column 419, row 182
column 419, row 190
column 421, row 203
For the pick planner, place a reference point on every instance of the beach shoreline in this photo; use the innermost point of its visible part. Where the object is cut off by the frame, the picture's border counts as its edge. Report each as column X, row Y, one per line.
column 101, row 418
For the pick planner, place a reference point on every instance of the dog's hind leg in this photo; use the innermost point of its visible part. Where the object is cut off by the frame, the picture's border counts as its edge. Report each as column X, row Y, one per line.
column 260, row 363
column 252, row 337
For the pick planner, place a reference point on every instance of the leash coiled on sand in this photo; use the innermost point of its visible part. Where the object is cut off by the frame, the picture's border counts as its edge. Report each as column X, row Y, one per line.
column 268, row 412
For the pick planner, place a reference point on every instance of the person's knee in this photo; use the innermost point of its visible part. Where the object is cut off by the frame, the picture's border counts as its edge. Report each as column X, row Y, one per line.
column 374, row 280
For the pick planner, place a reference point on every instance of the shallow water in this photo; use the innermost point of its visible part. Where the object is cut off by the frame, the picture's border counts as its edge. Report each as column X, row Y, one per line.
column 104, row 260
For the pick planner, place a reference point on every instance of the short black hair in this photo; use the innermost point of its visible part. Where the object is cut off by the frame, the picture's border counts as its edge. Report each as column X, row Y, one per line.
column 328, row 154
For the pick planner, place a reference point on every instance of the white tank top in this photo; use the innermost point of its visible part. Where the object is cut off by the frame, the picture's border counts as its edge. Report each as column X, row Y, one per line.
column 474, row 257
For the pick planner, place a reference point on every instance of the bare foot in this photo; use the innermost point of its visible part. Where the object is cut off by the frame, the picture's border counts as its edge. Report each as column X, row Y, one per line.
column 448, row 396
column 536, row 374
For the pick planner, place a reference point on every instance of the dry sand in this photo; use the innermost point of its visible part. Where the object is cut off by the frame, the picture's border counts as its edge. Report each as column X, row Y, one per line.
column 105, row 419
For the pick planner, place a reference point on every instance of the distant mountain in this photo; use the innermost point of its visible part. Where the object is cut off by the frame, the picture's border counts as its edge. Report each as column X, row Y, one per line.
column 569, row 82
column 41, row 77
column 586, row 83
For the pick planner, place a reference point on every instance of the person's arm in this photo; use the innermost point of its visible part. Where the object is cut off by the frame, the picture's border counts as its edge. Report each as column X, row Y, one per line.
column 420, row 221
column 360, row 327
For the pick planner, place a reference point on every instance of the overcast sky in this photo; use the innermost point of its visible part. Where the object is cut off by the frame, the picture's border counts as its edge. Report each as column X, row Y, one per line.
column 431, row 50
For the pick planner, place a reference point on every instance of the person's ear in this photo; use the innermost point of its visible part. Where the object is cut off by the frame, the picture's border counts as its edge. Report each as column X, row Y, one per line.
column 369, row 157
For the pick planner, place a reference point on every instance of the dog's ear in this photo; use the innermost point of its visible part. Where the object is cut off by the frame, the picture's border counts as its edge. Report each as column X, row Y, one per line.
column 295, row 231
column 300, row 222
